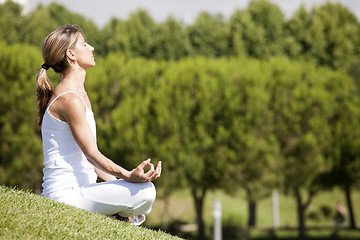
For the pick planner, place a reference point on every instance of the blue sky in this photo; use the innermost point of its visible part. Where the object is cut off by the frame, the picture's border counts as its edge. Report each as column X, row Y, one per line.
column 185, row 10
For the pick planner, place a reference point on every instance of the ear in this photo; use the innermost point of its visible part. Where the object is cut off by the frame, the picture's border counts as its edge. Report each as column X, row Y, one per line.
column 70, row 54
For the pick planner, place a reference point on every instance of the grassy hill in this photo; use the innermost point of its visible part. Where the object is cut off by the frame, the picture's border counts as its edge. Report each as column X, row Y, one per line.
column 24, row 215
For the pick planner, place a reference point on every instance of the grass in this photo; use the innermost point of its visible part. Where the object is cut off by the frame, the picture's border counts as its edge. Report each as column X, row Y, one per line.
column 235, row 214
column 24, row 215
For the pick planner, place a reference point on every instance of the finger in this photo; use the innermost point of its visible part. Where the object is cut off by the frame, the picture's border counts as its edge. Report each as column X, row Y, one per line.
column 144, row 163
column 158, row 168
column 151, row 172
column 152, row 168
column 157, row 172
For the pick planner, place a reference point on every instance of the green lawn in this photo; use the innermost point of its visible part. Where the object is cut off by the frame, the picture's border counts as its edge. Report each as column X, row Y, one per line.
column 235, row 214
column 24, row 215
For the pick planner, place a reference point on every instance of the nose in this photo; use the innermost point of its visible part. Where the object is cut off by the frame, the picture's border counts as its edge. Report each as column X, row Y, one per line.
column 91, row 48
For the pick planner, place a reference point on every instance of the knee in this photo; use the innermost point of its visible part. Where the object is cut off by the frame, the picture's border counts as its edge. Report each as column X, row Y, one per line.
column 150, row 193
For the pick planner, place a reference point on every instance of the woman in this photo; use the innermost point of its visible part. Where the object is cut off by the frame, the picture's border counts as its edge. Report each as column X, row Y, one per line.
column 71, row 157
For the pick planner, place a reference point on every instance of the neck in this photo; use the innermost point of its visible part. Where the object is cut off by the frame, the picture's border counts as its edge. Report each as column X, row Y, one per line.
column 75, row 79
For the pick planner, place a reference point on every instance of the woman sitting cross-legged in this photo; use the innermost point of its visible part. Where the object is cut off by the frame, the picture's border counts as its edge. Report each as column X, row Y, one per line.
column 71, row 156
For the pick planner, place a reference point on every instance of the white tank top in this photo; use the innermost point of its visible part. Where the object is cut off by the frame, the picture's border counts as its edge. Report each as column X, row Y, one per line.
column 66, row 166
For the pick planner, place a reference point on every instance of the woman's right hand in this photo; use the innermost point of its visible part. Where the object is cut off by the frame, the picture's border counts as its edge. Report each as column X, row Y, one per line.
column 138, row 175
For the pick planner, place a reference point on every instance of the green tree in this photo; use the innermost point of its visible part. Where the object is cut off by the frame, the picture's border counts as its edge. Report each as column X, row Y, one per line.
column 209, row 35
column 192, row 112
column 257, row 152
column 170, row 41
column 296, row 44
column 328, row 35
column 253, row 36
column 269, row 18
column 11, row 22
column 120, row 90
column 133, row 37
column 344, row 172
column 20, row 143
column 303, row 108
column 116, row 37
column 342, row 33
column 236, row 40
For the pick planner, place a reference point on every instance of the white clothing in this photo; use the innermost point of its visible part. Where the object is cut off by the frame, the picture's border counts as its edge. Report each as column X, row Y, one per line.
column 66, row 166
column 70, row 178
column 114, row 197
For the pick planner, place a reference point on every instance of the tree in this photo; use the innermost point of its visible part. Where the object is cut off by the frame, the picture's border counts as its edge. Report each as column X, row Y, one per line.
column 344, row 151
column 192, row 114
column 342, row 33
column 170, row 41
column 236, row 45
column 303, row 108
column 133, row 37
column 296, row 44
column 328, row 35
column 20, row 144
column 116, row 37
column 252, row 36
column 209, row 36
column 11, row 22
column 256, row 149
column 269, row 18
column 121, row 91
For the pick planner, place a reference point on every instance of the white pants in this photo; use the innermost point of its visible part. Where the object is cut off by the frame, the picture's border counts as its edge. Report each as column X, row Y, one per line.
column 114, row 197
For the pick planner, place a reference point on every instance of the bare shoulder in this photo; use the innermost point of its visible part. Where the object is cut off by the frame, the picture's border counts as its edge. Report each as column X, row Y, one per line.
column 68, row 106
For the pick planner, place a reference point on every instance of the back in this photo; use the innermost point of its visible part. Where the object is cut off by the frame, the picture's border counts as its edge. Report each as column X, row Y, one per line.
column 66, row 166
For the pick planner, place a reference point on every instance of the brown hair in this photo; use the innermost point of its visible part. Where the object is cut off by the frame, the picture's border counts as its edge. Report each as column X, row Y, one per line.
column 54, row 50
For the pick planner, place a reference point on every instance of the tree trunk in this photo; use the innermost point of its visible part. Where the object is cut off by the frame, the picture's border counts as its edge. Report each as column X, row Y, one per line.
column 301, row 215
column 252, row 213
column 165, row 217
column 352, row 224
column 198, row 197
column 301, row 207
column 251, row 208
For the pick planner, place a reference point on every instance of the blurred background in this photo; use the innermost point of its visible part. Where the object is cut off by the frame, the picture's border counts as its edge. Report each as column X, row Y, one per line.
column 253, row 104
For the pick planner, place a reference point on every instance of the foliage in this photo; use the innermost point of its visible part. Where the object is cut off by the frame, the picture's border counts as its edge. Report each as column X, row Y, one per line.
column 20, row 145
column 170, row 41
column 218, row 101
column 269, row 21
column 133, row 37
column 11, row 22
column 327, row 35
column 208, row 35
column 211, row 122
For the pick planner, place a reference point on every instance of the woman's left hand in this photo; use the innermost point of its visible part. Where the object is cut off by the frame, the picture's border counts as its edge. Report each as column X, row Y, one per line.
column 139, row 174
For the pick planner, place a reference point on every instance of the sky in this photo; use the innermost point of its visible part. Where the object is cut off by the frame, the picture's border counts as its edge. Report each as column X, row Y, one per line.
column 184, row 10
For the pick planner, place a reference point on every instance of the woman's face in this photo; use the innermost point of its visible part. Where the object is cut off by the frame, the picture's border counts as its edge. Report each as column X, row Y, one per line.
column 84, row 53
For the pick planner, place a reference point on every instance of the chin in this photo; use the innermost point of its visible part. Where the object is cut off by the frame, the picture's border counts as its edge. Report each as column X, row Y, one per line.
column 92, row 65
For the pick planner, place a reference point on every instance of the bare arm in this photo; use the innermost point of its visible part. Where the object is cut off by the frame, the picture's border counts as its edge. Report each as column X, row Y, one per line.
column 104, row 176
column 73, row 111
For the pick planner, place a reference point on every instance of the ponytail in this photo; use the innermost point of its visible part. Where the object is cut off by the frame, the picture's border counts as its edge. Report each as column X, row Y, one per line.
column 44, row 91
column 53, row 51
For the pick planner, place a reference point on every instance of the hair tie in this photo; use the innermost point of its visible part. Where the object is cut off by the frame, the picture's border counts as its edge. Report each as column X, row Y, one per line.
column 45, row 66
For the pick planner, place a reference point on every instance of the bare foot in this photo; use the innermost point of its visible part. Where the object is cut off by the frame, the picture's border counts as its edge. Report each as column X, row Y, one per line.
column 120, row 218
column 133, row 220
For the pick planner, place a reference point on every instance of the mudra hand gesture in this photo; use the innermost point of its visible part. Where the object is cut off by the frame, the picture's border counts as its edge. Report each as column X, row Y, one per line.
column 139, row 175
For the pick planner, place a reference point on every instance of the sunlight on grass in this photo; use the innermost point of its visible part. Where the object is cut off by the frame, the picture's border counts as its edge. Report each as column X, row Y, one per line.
column 24, row 215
